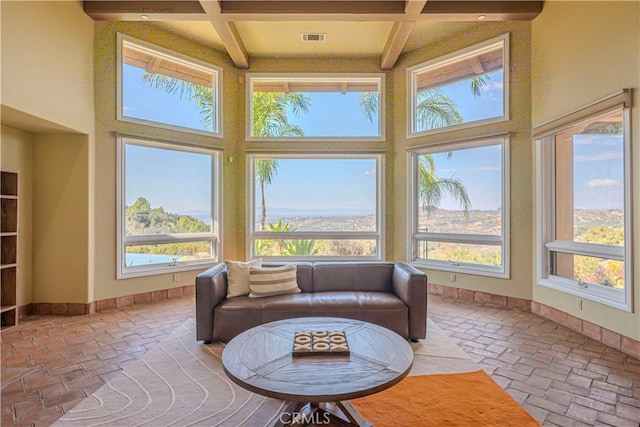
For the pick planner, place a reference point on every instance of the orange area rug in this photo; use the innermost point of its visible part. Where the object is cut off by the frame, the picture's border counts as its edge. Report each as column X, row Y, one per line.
column 469, row 399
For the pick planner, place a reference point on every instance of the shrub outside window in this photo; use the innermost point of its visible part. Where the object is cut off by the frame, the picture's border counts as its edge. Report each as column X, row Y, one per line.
column 584, row 205
column 158, row 87
column 460, row 208
column 465, row 88
column 328, row 107
column 315, row 207
column 168, row 210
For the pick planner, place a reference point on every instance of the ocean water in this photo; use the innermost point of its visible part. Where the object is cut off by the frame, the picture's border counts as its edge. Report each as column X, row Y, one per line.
column 132, row 260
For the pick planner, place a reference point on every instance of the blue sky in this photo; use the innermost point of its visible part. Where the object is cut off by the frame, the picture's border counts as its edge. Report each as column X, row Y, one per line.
column 143, row 102
column 335, row 114
column 176, row 180
column 179, row 182
column 323, row 184
column 598, row 172
column 479, row 169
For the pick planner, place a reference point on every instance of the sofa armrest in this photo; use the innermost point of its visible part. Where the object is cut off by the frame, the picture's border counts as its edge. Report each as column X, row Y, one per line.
column 211, row 290
column 410, row 285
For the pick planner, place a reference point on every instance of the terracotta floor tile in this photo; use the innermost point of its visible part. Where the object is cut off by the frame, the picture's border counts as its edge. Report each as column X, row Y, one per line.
column 560, row 376
column 614, row 420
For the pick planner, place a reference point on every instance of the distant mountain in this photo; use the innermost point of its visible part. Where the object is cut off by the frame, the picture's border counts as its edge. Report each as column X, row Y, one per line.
column 204, row 216
column 291, row 212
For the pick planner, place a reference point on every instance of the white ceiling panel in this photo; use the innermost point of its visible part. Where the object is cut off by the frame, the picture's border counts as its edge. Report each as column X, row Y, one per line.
column 352, row 38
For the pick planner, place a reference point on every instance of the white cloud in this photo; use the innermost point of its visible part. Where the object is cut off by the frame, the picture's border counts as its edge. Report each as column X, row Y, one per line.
column 370, row 172
column 496, row 85
column 607, row 140
column 606, row 155
column 602, row 183
column 487, row 168
column 474, row 169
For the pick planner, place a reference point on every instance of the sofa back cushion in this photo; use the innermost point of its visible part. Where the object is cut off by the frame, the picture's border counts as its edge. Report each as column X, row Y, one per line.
column 356, row 276
column 267, row 282
column 303, row 274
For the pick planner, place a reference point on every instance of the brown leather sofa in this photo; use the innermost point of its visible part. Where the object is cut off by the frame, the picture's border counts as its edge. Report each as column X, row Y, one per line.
column 392, row 295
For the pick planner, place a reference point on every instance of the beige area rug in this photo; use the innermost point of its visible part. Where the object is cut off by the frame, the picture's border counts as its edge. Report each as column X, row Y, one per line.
column 181, row 383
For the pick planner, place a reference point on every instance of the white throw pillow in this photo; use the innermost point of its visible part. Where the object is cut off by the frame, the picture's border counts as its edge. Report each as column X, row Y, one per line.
column 265, row 282
column 238, row 277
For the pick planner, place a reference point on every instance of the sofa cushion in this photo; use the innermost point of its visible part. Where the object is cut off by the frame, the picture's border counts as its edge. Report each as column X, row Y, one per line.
column 303, row 274
column 236, row 315
column 270, row 281
column 353, row 276
column 345, row 300
column 238, row 276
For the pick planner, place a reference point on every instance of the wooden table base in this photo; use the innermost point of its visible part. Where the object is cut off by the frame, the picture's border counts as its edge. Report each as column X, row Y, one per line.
column 299, row 414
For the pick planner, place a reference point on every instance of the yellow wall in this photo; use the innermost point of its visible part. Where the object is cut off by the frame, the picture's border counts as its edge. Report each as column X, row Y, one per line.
column 519, row 128
column 60, row 218
column 582, row 52
column 47, row 66
column 16, row 154
column 47, row 90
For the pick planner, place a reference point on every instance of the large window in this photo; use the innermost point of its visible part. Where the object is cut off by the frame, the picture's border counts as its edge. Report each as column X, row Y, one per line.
column 584, row 204
column 161, row 88
column 315, row 207
column 319, row 107
column 469, row 87
column 459, row 207
column 169, row 209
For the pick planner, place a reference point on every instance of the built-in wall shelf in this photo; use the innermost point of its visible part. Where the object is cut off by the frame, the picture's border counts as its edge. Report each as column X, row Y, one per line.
column 8, row 249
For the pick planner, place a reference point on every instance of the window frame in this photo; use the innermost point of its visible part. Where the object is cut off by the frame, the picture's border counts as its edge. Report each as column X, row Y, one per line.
column 412, row 94
column 124, row 272
column 175, row 57
column 378, row 235
column 317, row 77
column 416, row 236
column 546, row 244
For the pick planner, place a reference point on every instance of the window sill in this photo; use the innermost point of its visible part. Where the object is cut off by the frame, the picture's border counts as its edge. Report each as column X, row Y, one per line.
column 142, row 271
column 616, row 298
column 474, row 269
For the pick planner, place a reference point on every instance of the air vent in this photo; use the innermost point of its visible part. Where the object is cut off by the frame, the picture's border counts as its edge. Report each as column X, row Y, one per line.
column 313, row 37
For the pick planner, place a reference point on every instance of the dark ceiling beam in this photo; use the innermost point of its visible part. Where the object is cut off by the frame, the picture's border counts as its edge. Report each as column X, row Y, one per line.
column 506, row 10
column 154, row 10
column 336, row 10
column 414, row 7
column 312, row 6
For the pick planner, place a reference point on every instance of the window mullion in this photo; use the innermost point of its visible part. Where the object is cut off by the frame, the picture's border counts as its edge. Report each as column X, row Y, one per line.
column 479, row 239
column 587, row 249
column 168, row 238
column 312, row 235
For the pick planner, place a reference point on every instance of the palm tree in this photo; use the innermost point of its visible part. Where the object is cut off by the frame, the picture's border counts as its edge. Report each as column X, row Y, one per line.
column 479, row 83
column 432, row 188
column 434, row 110
column 270, row 118
column 201, row 95
column 265, row 170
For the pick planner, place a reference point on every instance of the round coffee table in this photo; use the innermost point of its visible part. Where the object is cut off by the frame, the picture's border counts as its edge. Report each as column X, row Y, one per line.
column 317, row 387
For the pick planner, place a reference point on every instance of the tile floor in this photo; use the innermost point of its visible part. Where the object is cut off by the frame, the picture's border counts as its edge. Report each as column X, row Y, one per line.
column 560, row 376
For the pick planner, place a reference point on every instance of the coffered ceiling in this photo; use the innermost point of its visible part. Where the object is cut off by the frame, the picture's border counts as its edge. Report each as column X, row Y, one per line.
column 356, row 28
